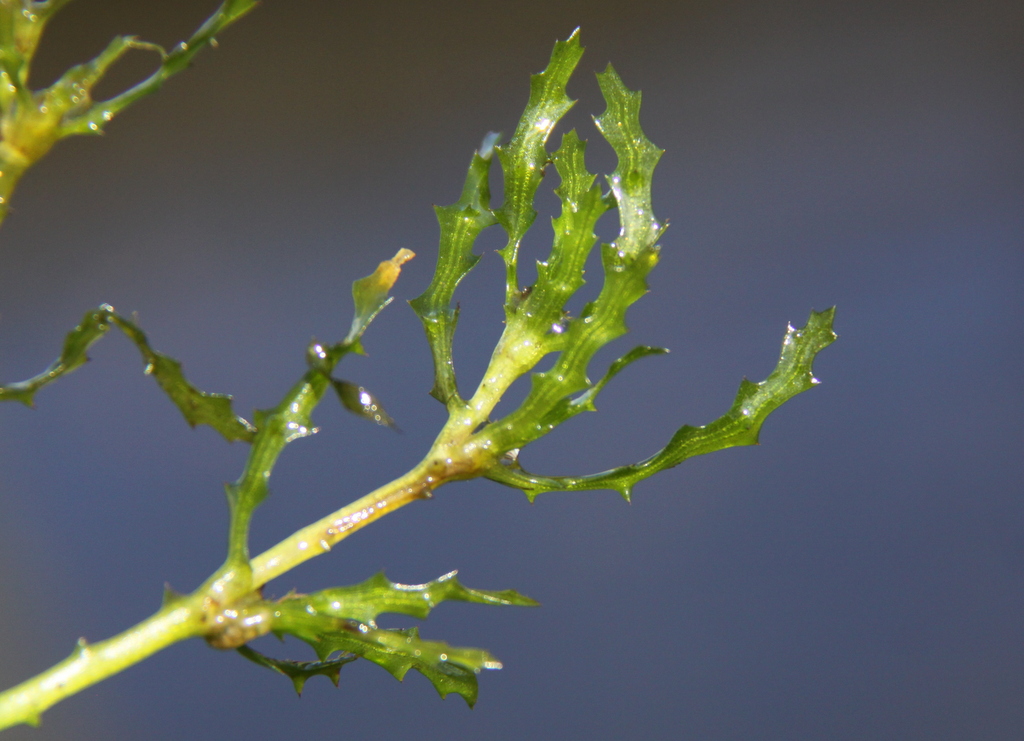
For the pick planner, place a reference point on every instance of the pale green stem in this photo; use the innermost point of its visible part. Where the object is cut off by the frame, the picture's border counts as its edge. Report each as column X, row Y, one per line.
column 189, row 617
column 456, row 454
column 91, row 663
column 323, row 534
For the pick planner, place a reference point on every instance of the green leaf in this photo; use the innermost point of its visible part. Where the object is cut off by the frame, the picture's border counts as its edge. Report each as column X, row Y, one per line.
column 76, row 344
column 541, row 320
column 344, row 619
column 299, row 671
column 569, row 407
column 364, row 602
column 460, row 223
column 450, row 669
column 198, row 407
column 631, row 180
column 561, row 275
column 370, row 294
column 625, row 263
column 741, row 425
column 524, row 157
column 362, row 403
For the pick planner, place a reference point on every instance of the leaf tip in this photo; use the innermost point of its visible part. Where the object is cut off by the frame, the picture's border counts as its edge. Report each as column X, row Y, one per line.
column 825, row 318
column 490, row 141
column 370, row 294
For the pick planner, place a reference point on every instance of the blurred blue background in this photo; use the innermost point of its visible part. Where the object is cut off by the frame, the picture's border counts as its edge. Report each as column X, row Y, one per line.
column 860, row 575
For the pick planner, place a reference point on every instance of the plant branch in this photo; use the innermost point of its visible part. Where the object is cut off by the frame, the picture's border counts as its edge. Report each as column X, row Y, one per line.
column 229, row 610
column 91, row 663
column 32, row 121
column 322, row 535
column 455, row 455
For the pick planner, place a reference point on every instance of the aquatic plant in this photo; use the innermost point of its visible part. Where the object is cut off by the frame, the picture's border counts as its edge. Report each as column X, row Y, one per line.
column 230, row 608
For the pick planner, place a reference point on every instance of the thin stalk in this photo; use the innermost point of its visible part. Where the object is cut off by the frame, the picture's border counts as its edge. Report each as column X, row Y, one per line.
column 455, row 454
column 319, row 537
column 188, row 617
column 91, row 663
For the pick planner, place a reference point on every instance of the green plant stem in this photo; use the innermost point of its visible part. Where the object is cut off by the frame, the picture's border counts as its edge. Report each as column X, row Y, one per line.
column 450, row 459
column 190, row 617
column 456, row 454
column 325, row 533
column 228, row 610
column 91, row 663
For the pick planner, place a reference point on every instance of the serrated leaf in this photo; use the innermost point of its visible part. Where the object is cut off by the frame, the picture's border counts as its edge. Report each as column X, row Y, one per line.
column 542, row 318
column 582, row 204
column 625, row 263
column 76, row 345
column 631, row 180
column 370, row 294
column 568, row 407
column 524, row 157
column 460, row 224
column 364, row 602
column 299, row 671
column 741, row 425
column 198, row 407
column 450, row 669
column 343, row 619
